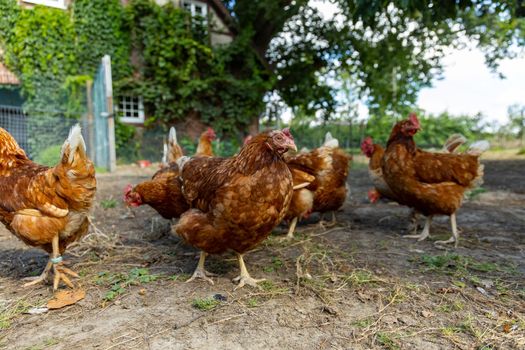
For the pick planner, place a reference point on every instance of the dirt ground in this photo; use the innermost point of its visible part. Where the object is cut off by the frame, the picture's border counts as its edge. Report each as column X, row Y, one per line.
column 358, row 285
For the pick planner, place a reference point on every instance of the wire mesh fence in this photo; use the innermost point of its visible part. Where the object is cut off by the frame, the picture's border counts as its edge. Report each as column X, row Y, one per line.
column 40, row 133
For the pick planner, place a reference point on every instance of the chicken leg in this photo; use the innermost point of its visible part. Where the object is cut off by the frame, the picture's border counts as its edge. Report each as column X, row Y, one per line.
column 200, row 272
column 455, row 235
column 291, row 230
column 244, row 277
column 425, row 233
column 324, row 224
column 61, row 272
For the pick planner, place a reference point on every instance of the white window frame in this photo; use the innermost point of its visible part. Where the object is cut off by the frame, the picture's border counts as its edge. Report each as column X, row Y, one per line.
column 193, row 3
column 131, row 120
column 59, row 4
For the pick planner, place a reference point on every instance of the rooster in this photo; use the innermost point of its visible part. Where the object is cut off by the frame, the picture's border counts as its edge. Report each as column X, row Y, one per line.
column 47, row 207
column 431, row 183
column 204, row 148
column 237, row 201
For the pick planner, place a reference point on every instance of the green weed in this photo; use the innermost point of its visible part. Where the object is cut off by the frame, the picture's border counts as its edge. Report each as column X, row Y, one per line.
column 108, row 203
column 205, row 304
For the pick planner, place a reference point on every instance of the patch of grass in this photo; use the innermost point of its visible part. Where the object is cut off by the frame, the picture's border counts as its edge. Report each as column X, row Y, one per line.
column 359, row 277
column 100, row 170
column 121, row 281
column 276, row 264
column 44, row 345
column 363, row 323
column 457, row 265
column 450, row 331
column 467, row 326
column 385, row 340
column 108, row 203
column 269, row 286
column 475, row 192
column 180, row 277
column 451, row 306
column 252, row 302
column 521, row 152
column 9, row 312
column 205, row 304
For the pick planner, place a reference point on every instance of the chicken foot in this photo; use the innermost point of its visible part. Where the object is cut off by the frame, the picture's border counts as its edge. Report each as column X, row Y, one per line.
column 455, row 234
column 41, row 278
column 60, row 272
column 245, row 278
column 200, row 272
column 291, row 230
column 425, row 233
column 332, row 223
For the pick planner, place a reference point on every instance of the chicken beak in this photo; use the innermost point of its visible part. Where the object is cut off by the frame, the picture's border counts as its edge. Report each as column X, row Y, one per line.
column 291, row 145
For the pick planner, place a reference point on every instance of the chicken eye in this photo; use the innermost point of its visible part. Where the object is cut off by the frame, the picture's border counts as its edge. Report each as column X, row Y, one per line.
column 279, row 137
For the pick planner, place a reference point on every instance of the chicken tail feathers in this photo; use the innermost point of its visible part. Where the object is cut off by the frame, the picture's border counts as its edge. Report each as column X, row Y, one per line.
column 453, row 142
column 330, row 141
column 478, row 147
column 164, row 160
column 74, row 146
column 172, row 137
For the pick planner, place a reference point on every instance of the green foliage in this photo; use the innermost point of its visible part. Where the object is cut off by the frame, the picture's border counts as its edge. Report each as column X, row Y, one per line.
column 205, row 304
column 41, row 50
column 180, row 73
column 108, row 203
column 121, row 281
column 101, row 28
column 50, row 156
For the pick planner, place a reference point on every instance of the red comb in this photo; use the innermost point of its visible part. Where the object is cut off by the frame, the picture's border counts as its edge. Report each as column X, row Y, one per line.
column 128, row 188
column 413, row 118
column 286, row 131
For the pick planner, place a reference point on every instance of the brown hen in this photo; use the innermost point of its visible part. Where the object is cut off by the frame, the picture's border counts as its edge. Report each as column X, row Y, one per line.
column 47, row 207
column 237, row 201
column 431, row 183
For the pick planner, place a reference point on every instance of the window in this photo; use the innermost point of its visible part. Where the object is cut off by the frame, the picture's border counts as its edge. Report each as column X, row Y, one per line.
column 196, row 8
column 61, row 4
column 131, row 109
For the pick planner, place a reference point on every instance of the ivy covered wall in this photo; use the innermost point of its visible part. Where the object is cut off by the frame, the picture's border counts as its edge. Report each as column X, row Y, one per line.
column 161, row 53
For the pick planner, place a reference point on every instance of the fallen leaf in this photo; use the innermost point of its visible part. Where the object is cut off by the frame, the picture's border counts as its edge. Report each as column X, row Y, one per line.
column 64, row 298
column 506, row 327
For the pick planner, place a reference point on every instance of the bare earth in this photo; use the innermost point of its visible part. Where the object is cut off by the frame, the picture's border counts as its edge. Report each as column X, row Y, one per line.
column 358, row 285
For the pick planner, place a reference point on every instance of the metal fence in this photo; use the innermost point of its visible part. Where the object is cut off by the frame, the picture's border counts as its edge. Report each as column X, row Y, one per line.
column 40, row 134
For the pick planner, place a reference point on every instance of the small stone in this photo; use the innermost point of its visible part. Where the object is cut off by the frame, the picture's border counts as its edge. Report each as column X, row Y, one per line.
column 329, row 310
column 88, row 328
column 426, row 314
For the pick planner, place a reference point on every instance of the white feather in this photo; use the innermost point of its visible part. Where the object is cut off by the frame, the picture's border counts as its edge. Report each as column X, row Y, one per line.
column 165, row 153
column 478, row 147
column 74, row 140
column 330, row 141
column 172, row 135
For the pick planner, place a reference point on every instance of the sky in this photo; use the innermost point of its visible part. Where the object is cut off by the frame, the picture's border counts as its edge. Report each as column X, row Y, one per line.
column 470, row 87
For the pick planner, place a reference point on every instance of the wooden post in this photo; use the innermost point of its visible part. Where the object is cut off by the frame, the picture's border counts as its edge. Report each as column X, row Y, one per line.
column 111, row 116
column 90, row 120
